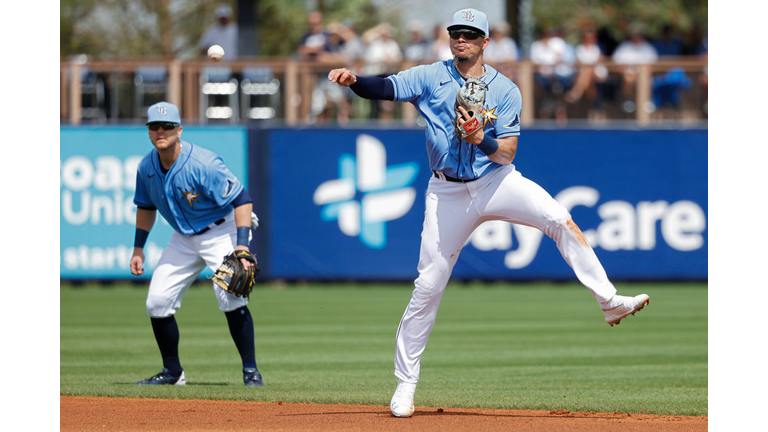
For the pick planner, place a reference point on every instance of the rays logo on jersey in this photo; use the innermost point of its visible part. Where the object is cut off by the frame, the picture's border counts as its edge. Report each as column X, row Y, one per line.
column 515, row 121
column 367, row 193
column 228, row 188
column 490, row 116
column 190, row 196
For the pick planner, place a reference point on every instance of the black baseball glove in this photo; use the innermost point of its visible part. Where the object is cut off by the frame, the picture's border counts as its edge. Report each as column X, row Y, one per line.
column 234, row 277
column 471, row 96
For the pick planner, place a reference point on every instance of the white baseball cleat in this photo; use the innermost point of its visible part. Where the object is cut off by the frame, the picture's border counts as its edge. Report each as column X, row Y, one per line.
column 620, row 307
column 402, row 400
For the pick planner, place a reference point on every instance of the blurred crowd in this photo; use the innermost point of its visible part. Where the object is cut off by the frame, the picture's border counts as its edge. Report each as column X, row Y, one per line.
column 565, row 74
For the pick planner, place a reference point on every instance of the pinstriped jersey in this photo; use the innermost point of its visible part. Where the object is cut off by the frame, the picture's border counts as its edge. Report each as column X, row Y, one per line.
column 432, row 90
column 197, row 191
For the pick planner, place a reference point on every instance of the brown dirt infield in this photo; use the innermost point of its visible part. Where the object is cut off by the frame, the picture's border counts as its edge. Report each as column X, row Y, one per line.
column 124, row 414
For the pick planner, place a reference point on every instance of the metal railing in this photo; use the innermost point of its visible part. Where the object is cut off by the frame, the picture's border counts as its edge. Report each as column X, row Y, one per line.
column 296, row 93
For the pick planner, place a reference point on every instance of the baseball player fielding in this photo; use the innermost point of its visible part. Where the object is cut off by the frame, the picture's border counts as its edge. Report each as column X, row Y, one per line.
column 473, row 181
column 211, row 215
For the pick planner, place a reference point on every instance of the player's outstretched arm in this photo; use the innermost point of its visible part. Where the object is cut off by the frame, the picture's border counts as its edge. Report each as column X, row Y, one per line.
column 374, row 88
column 343, row 77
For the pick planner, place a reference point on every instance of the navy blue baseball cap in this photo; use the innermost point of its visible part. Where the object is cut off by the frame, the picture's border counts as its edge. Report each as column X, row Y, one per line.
column 471, row 19
column 163, row 112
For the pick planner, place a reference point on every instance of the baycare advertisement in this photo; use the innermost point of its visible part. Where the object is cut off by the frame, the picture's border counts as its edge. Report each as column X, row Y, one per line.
column 356, row 205
column 97, row 181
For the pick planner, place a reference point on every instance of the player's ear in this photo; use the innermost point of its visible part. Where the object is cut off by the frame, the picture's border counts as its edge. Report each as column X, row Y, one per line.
column 179, row 130
column 485, row 42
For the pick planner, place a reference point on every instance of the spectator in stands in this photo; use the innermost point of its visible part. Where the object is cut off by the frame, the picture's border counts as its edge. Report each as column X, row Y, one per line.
column 606, row 41
column 441, row 43
column 314, row 40
column 692, row 42
column 502, row 48
column 382, row 58
column 334, row 47
column 554, row 58
column 223, row 33
column 703, row 49
column 353, row 47
column 592, row 74
column 417, row 48
column 342, row 47
column 382, row 53
column 668, row 44
column 633, row 52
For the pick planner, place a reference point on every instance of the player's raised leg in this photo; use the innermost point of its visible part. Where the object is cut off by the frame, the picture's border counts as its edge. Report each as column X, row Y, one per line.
column 525, row 202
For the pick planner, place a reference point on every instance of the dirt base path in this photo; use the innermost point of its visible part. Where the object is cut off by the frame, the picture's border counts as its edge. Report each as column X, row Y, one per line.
column 124, row 414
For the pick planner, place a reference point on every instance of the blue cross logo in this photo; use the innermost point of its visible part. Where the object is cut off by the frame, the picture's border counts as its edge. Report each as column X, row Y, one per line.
column 367, row 193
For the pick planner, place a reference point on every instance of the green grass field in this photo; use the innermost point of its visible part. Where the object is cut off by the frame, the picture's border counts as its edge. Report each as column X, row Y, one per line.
column 522, row 346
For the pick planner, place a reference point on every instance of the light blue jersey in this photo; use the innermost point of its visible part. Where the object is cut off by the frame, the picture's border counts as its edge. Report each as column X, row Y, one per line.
column 196, row 192
column 432, row 89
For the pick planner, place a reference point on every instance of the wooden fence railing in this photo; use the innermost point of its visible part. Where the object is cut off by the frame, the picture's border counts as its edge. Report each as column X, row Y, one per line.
column 298, row 80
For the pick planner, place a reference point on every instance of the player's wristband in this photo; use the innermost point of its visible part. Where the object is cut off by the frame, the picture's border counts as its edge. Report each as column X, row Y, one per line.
column 141, row 238
column 488, row 145
column 243, row 234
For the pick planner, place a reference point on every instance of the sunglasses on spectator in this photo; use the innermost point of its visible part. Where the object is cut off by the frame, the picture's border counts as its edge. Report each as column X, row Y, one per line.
column 165, row 125
column 468, row 34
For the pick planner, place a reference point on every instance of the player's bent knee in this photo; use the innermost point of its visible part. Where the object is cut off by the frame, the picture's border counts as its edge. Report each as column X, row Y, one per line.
column 425, row 291
column 555, row 219
column 159, row 306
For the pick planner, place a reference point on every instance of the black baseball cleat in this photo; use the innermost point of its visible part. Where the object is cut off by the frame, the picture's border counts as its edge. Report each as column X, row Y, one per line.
column 165, row 378
column 252, row 377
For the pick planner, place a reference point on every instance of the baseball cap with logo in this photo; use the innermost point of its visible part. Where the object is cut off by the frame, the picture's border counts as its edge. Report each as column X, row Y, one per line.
column 163, row 112
column 472, row 19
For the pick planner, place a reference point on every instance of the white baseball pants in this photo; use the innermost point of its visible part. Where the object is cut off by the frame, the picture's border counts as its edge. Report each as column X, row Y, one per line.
column 453, row 211
column 181, row 263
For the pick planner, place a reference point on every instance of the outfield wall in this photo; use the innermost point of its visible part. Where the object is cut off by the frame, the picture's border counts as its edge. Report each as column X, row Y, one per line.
column 348, row 204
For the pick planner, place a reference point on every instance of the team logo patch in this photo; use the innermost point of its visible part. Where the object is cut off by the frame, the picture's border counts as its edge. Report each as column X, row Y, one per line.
column 189, row 196
column 515, row 121
column 490, row 116
column 162, row 111
column 468, row 16
column 228, row 188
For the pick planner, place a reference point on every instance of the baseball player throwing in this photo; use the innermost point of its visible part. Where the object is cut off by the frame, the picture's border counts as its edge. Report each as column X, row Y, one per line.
column 210, row 212
column 473, row 182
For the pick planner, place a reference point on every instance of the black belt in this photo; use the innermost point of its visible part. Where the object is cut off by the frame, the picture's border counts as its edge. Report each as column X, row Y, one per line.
column 215, row 224
column 452, row 179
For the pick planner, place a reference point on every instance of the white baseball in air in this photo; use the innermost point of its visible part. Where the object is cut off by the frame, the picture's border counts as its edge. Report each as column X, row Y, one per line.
column 215, row 53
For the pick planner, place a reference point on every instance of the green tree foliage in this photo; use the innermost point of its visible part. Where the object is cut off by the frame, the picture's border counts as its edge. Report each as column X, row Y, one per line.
column 282, row 23
column 617, row 15
column 135, row 29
